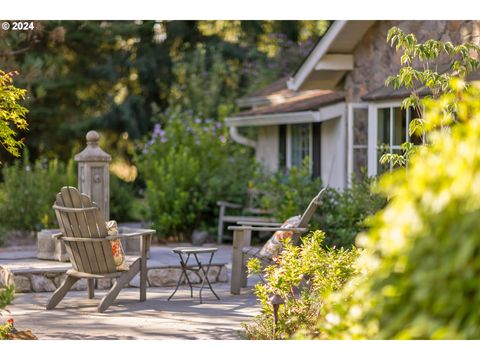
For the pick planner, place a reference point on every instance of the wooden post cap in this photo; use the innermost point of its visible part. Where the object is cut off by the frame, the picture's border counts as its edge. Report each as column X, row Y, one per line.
column 92, row 137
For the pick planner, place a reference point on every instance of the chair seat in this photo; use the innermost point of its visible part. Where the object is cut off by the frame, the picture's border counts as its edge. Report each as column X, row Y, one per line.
column 130, row 260
column 252, row 251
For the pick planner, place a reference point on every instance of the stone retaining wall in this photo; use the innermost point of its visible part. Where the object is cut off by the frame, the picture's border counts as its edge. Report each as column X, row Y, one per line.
column 48, row 281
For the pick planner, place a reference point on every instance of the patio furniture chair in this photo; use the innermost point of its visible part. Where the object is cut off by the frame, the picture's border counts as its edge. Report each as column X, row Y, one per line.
column 243, row 213
column 242, row 236
column 85, row 234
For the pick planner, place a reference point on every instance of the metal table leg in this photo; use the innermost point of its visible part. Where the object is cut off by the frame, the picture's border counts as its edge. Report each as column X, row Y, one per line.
column 200, row 269
column 183, row 265
column 205, row 277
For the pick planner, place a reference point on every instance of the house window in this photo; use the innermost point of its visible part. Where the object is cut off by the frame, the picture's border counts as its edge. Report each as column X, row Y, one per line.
column 358, row 139
column 295, row 144
column 390, row 131
column 300, row 140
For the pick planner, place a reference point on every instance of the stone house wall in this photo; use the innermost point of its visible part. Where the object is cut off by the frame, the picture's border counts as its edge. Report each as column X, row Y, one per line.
column 375, row 60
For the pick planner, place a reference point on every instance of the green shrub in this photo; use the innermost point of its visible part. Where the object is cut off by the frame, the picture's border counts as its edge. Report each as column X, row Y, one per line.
column 287, row 194
column 28, row 192
column 122, row 197
column 12, row 114
column 6, row 296
column 311, row 269
column 421, row 269
column 188, row 166
column 341, row 214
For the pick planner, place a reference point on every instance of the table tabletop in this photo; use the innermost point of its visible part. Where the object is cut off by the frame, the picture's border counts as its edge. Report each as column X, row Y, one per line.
column 193, row 250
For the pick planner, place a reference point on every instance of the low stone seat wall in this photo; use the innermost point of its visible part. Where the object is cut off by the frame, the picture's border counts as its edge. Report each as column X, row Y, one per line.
column 46, row 276
column 21, row 267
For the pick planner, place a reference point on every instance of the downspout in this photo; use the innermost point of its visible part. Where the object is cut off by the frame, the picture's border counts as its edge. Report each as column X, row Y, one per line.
column 241, row 139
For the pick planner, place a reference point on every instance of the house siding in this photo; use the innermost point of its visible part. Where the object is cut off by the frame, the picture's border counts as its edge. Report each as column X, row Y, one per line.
column 375, row 60
column 333, row 153
column 267, row 150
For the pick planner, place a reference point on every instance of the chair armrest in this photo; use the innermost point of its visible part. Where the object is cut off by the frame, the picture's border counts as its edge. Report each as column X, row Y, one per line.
column 139, row 232
column 128, row 232
column 57, row 235
column 254, row 228
column 229, row 205
column 111, row 237
column 258, row 223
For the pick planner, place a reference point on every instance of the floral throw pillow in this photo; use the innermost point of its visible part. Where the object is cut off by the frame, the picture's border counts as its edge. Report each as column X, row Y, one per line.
column 117, row 248
column 274, row 246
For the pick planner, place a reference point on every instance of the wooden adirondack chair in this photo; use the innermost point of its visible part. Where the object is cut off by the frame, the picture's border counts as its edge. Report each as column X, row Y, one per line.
column 242, row 236
column 84, row 232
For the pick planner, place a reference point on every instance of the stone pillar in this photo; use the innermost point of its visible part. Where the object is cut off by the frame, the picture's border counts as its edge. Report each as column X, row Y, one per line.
column 93, row 173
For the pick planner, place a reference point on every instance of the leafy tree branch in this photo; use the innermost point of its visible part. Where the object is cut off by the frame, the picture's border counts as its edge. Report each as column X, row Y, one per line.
column 427, row 70
column 12, row 114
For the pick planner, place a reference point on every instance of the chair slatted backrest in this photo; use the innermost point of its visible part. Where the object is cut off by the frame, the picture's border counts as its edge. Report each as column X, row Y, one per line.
column 84, row 230
column 307, row 215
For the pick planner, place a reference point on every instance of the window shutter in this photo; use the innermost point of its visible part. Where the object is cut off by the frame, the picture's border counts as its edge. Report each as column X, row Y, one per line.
column 316, row 150
column 282, row 147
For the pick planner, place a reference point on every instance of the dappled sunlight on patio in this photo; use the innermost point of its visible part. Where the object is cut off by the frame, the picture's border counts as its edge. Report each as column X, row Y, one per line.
column 181, row 318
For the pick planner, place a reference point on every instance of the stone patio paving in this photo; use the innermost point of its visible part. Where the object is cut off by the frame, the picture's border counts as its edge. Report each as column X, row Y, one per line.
column 182, row 318
column 76, row 317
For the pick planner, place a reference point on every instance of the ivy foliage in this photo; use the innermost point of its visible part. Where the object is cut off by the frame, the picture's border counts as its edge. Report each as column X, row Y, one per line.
column 12, row 114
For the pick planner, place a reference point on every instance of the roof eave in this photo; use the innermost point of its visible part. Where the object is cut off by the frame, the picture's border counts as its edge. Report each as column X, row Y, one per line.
column 296, row 81
column 273, row 119
column 297, row 117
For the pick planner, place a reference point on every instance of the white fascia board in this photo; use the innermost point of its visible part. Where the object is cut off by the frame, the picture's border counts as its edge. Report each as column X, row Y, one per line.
column 332, row 111
column 335, row 62
column 273, row 119
column 320, row 50
column 323, row 114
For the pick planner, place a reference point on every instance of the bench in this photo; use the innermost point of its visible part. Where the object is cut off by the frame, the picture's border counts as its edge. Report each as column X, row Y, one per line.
column 254, row 215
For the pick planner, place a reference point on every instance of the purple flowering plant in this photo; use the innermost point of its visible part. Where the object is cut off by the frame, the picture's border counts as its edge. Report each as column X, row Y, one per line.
column 187, row 166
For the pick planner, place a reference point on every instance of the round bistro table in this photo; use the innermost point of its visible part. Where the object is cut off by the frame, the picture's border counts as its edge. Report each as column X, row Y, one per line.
column 185, row 254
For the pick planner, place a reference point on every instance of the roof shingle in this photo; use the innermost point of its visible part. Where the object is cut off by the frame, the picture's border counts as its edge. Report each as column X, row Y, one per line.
column 302, row 101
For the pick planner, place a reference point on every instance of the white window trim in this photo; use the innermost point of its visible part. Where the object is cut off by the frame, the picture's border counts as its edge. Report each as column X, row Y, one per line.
column 372, row 131
column 350, row 146
column 289, row 145
column 310, row 147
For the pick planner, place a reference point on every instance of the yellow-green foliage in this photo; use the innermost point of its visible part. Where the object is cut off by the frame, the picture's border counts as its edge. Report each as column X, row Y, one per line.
column 12, row 114
column 6, row 297
column 421, row 269
column 303, row 276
